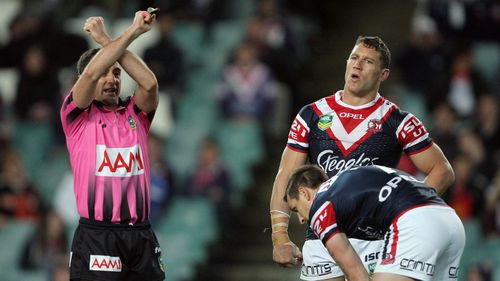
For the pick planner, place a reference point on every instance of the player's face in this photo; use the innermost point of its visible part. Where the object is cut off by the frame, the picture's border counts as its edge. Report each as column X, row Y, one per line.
column 364, row 71
column 301, row 206
column 108, row 86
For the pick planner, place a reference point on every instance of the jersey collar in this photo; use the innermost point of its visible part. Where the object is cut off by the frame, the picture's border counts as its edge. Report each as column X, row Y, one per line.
column 102, row 107
column 338, row 99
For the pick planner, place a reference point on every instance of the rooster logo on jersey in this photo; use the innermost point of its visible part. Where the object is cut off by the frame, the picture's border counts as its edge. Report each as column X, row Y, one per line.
column 374, row 126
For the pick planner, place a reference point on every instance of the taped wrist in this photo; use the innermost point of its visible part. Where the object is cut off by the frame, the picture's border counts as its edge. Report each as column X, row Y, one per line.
column 279, row 225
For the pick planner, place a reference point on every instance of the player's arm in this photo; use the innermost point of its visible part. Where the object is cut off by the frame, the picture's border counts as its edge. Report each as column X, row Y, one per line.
column 83, row 91
column 434, row 164
column 285, row 252
column 346, row 257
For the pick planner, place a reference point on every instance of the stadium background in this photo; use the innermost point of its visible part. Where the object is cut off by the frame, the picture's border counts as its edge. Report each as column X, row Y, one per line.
column 204, row 237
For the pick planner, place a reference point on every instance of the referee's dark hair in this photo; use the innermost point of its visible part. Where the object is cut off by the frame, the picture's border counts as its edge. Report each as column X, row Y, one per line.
column 85, row 58
column 310, row 176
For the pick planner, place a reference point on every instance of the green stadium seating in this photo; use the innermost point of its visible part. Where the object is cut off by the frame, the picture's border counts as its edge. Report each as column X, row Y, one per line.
column 13, row 236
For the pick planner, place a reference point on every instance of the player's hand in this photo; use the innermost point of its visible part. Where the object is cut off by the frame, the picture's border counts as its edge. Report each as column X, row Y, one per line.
column 94, row 27
column 287, row 255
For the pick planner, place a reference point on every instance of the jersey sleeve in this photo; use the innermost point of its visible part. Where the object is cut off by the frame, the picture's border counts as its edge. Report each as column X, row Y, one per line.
column 72, row 117
column 412, row 134
column 323, row 221
column 144, row 118
column 299, row 131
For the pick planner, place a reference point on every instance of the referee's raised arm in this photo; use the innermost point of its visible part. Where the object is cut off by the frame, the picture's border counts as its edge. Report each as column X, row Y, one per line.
column 100, row 64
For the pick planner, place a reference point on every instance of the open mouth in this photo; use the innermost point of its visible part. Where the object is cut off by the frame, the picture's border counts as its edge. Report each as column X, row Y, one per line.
column 110, row 90
column 355, row 77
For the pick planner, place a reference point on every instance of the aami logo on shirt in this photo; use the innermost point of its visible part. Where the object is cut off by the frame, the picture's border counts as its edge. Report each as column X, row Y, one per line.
column 119, row 162
column 105, row 263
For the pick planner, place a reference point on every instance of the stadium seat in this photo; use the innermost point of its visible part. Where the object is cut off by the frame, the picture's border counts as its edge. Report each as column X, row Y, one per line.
column 241, row 9
column 184, row 234
column 242, row 147
column 188, row 36
column 228, row 34
column 8, row 9
column 8, row 85
column 486, row 57
column 32, row 141
column 13, row 236
column 49, row 175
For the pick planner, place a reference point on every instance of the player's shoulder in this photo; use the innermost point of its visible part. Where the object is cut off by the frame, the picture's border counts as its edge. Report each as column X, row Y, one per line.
column 398, row 115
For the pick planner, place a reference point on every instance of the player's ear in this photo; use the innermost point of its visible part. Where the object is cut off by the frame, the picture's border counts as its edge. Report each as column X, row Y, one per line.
column 305, row 192
column 384, row 74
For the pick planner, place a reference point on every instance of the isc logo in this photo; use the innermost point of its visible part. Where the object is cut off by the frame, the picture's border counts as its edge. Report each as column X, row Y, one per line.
column 119, row 162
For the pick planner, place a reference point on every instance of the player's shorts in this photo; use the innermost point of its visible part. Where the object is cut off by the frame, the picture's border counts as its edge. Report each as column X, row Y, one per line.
column 424, row 243
column 318, row 264
column 103, row 252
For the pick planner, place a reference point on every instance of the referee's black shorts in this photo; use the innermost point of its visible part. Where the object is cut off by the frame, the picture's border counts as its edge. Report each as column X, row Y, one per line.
column 108, row 252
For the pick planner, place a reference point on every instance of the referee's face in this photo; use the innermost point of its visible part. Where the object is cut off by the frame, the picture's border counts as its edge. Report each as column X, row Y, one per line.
column 108, row 86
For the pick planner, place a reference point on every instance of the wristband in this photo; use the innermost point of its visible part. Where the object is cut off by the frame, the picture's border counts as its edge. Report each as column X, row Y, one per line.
column 279, row 224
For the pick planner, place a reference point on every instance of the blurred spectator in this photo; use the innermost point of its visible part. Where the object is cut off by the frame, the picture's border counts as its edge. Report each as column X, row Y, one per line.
column 166, row 59
column 246, row 91
column 38, row 89
column 491, row 218
column 423, row 61
column 23, row 31
column 208, row 12
column 487, row 126
column 19, row 198
column 161, row 177
column 480, row 272
column 4, row 125
column 60, row 271
column 461, row 196
column 270, row 32
column 465, row 83
column 211, row 179
column 48, row 242
column 470, row 144
column 26, row 30
column 278, row 34
column 37, row 47
column 444, row 128
column 478, row 20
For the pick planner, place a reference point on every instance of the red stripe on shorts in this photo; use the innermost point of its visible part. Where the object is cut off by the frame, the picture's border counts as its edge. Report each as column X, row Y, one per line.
column 391, row 256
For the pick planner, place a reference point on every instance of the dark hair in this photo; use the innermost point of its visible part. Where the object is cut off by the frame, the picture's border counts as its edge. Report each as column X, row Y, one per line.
column 310, row 176
column 376, row 43
column 85, row 59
